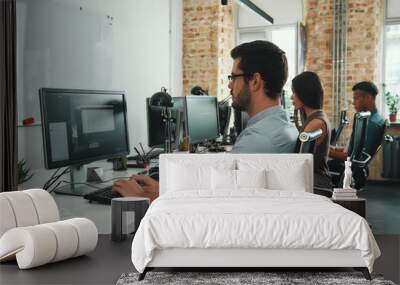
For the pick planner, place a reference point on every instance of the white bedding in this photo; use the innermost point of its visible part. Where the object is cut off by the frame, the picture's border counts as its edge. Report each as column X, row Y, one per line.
column 251, row 218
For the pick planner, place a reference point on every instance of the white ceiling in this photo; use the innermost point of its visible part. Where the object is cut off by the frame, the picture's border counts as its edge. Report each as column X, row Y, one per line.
column 282, row 11
column 393, row 9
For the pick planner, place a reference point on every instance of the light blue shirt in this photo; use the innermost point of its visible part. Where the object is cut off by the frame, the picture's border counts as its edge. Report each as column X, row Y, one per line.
column 268, row 131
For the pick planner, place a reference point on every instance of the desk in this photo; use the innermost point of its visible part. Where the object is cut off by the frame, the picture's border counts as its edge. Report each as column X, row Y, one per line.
column 79, row 177
column 102, row 266
column 76, row 206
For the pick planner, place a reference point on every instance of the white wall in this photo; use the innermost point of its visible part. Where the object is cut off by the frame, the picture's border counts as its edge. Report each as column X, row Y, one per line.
column 176, row 21
column 147, row 54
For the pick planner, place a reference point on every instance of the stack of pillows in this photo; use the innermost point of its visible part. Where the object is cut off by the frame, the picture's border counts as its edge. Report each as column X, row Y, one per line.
column 234, row 175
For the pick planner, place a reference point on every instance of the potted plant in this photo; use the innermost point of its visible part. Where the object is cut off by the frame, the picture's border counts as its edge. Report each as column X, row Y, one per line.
column 23, row 172
column 392, row 102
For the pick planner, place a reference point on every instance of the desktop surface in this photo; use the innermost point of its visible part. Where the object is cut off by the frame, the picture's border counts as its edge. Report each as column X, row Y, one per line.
column 100, row 214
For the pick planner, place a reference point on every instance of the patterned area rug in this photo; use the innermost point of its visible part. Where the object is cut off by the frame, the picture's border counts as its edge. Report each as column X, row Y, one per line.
column 229, row 278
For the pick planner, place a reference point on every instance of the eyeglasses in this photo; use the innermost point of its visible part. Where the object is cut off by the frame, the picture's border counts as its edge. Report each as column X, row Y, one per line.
column 234, row 76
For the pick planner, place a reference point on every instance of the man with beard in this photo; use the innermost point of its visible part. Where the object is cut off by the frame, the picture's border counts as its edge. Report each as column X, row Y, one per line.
column 258, row 75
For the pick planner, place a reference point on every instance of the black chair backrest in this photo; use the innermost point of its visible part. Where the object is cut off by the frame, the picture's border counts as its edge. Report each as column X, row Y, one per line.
column 359, row 134
column 307, row 141
column 385, row 138
column 240, row 120
column 343, row 122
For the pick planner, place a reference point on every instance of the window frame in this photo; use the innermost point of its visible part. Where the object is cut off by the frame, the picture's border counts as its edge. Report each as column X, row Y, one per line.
column 388, row 21
column 269, row 29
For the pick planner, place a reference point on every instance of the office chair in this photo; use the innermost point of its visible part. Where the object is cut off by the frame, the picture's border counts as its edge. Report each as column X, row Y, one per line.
column 391, row 164
column 358, row 157
column 360, row 165
column 335, row 134
column 359, row 136
column 307, row 141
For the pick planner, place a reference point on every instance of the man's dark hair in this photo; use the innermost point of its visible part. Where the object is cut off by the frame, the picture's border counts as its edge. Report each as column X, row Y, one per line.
column 366, row 86
column 308, row 88
column 268, row 60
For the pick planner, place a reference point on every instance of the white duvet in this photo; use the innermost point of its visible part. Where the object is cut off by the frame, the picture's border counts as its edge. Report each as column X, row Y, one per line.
column 250, row 219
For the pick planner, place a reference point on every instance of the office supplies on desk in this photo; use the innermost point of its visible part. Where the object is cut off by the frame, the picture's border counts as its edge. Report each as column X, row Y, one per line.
column 141, row 147
column 139, row 155
column 94, row 174
column 151, row 155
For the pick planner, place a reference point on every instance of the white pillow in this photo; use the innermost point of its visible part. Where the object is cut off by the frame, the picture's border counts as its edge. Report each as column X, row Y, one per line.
column 223, row 179
column 194, row 174
column 186, row 177
column 290, row 180
column 251, row 179
column 226, row 179
column 280, row 174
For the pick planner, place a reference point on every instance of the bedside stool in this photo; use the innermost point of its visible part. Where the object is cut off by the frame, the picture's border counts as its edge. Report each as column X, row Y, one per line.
column 356, row 205
column 119, row 206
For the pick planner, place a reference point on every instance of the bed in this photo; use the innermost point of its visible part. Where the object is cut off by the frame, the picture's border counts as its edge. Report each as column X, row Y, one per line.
column 247, row 210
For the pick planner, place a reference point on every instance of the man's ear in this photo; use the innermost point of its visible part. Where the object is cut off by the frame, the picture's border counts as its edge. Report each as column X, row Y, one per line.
column 256, row 83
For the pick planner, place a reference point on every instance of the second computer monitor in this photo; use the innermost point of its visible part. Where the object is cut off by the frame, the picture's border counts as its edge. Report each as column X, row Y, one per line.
column 156, row 126
column 202, row 118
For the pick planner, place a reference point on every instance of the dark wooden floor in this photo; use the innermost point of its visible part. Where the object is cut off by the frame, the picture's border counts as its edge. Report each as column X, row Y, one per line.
column 383, row 207
column 110, row 260
column 103, row 266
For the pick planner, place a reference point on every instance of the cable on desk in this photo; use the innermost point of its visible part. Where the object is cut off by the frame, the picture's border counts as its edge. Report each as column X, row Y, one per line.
column 54, row 178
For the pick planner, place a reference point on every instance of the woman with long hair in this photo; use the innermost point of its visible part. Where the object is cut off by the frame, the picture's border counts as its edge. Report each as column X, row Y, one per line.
column 308, row 97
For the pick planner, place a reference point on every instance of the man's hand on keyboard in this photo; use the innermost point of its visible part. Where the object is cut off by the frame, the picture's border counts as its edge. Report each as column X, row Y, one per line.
column 137, row 186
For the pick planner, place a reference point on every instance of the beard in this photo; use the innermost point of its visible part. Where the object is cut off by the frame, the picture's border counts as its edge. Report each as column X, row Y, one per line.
column 241, row 102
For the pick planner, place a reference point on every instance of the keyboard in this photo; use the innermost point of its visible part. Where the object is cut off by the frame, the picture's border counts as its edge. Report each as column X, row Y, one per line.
column 102, row 196
column 216, row 149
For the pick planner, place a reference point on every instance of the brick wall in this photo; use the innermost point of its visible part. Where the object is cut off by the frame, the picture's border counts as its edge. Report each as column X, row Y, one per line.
column 365, row 27
column 208, row 37
column 226, row 42
column 318, row 23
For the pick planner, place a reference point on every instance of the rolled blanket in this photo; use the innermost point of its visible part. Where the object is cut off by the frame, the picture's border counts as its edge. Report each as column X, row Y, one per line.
column 33, row 246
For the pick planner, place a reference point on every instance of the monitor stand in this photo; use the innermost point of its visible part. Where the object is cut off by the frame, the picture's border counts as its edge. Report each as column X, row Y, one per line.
column 78, row 185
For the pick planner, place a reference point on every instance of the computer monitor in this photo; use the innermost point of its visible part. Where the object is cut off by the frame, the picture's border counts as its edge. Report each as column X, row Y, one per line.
column 156, row 125
column 224, row 115
column 82, row 126
column 202, row 118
